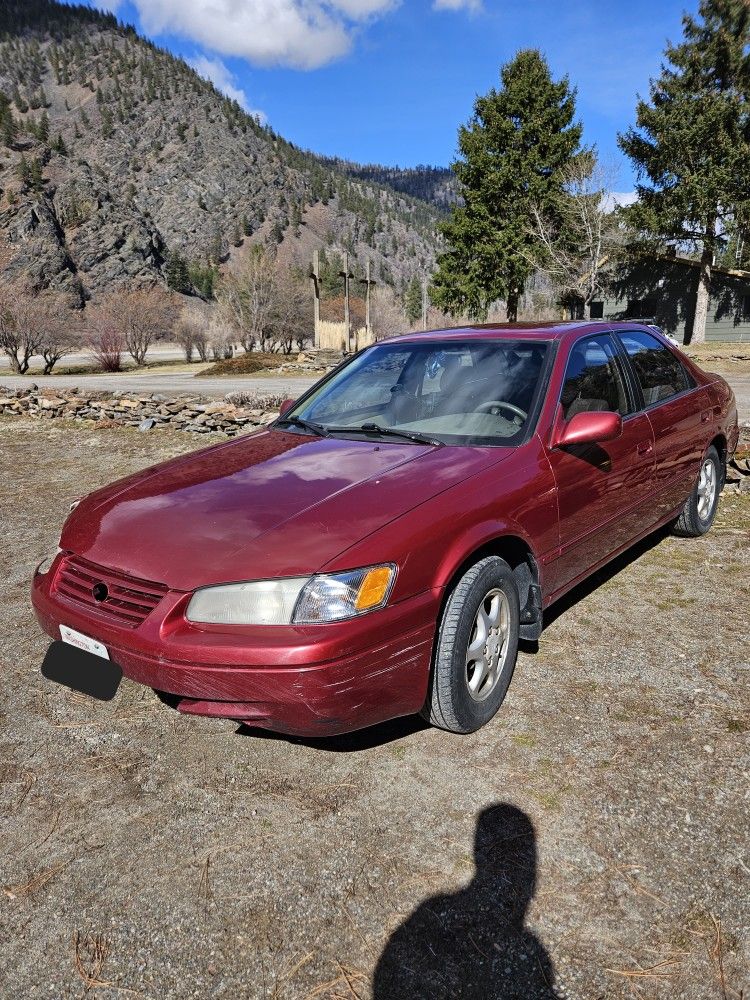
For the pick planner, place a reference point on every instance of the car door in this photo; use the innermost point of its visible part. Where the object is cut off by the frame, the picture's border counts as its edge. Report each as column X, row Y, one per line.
column 679, row 412
column 602, row 489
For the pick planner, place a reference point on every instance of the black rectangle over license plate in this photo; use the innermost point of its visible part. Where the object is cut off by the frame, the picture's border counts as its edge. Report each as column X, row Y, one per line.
column 82, row 671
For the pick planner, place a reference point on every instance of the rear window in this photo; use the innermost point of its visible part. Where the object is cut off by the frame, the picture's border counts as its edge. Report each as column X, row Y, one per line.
column 659, row 372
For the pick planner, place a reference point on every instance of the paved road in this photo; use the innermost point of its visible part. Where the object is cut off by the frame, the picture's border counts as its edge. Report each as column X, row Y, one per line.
column 161, row 352
column 219, row 387
column 741, row 386
column 167, row 384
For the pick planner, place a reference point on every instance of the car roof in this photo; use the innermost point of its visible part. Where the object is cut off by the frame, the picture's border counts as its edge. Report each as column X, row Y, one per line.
column 554, row 330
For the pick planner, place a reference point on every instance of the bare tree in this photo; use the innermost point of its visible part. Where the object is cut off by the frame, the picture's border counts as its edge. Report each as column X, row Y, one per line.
column 201, row 340
column 144, row 314
column 21, row 325
column 220, row 338
column 291, row 318
column 188, row 331
column 386, row 313
column 247, row 299
column 104, row 337
column 579, row 247
column 61, row 330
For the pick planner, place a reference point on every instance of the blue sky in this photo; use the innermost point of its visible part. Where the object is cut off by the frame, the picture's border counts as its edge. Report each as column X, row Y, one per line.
column 389, row 82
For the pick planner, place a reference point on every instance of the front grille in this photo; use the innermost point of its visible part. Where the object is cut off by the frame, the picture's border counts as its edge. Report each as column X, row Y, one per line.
column 128, row 600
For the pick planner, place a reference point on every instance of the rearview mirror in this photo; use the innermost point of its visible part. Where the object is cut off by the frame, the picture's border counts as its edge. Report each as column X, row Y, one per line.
column 590, row 427
column 286, row 406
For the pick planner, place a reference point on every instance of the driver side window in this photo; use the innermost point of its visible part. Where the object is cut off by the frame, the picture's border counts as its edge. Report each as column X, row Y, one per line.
column 594, row 379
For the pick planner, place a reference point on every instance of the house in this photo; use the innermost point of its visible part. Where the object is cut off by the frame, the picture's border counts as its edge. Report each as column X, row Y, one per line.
column 662, row 290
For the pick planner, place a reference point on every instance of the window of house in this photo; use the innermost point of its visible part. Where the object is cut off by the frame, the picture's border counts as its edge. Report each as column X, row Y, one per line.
column 593, row 380
column 641, row 309
column 659, row 371
column 746, row 308
column 596, row 310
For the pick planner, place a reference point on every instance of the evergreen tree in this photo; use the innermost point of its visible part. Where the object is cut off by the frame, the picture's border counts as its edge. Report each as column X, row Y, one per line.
column 514, row 151
column 8, row 127
column 413, row 300
column 36, row 178
column 42, row 129
column 691, row 144
column 18, row 100
column 60, row 146
column 176, row 272
column 24, row 171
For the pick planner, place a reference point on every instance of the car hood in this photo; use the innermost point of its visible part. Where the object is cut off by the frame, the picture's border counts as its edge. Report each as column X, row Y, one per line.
column 270, row 504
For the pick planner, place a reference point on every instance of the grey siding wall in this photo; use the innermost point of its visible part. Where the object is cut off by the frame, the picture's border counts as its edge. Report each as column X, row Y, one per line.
column 669, row 301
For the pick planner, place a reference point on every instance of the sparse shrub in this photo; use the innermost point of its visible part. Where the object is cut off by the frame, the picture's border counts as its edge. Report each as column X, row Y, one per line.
column 191, row 334
column 105, row 340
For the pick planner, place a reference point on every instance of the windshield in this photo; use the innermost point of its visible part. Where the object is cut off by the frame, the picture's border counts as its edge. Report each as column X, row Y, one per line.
column 480, row 392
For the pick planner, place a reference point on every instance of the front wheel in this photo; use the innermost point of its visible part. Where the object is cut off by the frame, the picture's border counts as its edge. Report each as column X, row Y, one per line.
column 698, row 513
column 476, row 649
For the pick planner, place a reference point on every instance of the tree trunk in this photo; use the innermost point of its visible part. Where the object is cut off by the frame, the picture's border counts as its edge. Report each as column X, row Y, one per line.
column 698, row 335
column 511, row 305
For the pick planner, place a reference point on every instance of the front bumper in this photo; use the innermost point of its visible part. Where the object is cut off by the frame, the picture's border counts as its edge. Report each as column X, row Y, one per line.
column 318, row 680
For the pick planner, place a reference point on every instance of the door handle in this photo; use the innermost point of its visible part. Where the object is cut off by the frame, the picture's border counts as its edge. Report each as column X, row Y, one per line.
column 705, row 416
column 645, row 447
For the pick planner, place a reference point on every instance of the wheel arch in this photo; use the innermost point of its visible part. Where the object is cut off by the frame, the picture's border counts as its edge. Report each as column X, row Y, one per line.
column 518, row 552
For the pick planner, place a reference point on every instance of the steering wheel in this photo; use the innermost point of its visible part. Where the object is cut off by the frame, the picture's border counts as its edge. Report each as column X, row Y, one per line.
column 500, row 404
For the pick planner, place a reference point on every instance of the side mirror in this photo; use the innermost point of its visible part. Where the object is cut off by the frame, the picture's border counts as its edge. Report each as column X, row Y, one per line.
column 590, row 427
column 286, row 406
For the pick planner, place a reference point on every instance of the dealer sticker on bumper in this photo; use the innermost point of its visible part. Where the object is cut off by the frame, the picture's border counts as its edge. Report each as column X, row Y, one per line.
column 82, row 641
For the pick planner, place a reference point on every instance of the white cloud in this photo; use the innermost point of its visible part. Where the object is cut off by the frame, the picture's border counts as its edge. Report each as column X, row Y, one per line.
column 471, row 5
column 224, row 80
column 302, row 33
column 618, row 198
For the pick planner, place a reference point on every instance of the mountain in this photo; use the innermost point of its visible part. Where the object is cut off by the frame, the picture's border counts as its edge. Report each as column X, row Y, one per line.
column 116, row 159
column 437, row 185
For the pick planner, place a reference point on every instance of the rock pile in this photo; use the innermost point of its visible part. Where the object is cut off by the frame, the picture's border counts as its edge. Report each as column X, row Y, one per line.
column 143, row 410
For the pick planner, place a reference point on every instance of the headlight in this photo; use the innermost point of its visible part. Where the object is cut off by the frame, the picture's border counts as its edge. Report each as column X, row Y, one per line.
column 328, row 597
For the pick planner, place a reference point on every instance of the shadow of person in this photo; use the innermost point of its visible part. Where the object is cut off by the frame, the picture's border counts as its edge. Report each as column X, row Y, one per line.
column 473, row 944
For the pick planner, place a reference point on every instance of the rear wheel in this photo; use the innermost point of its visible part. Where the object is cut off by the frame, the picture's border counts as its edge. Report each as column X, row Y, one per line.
column 476, row 649
column 698, row 513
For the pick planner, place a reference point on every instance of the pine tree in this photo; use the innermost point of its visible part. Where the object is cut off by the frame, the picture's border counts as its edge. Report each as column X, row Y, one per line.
column 59, row 145
column 36, row 178
column 42, row 129
column 413, row 300
column 8, row 127
column 691, row 144
column 514, row 151
column 176, row 272
column 24, row 171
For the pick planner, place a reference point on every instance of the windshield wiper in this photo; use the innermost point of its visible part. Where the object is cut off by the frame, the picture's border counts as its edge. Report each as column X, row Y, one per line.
column 395, row 432
column 307, row 425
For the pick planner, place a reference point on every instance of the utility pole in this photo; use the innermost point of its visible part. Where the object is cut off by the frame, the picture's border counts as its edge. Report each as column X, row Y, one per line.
column 424, row 303
column 315, row 278
column 347, row 276
column 368, row 282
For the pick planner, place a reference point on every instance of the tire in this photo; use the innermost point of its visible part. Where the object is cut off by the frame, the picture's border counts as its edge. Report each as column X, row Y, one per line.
column 698, row 513
column 451, row 703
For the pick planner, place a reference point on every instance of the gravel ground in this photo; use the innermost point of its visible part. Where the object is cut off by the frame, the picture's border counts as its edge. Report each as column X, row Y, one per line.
column 154, row 855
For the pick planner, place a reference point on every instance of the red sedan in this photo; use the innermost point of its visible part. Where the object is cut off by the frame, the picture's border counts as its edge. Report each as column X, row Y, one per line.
column 382, row 547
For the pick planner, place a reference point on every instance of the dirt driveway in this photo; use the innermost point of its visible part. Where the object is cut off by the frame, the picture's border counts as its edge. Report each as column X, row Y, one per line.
column 147, row 854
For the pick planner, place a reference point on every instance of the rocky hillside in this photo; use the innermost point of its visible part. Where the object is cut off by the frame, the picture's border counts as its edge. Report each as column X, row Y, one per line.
column 116, row 157
column 437, row 185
